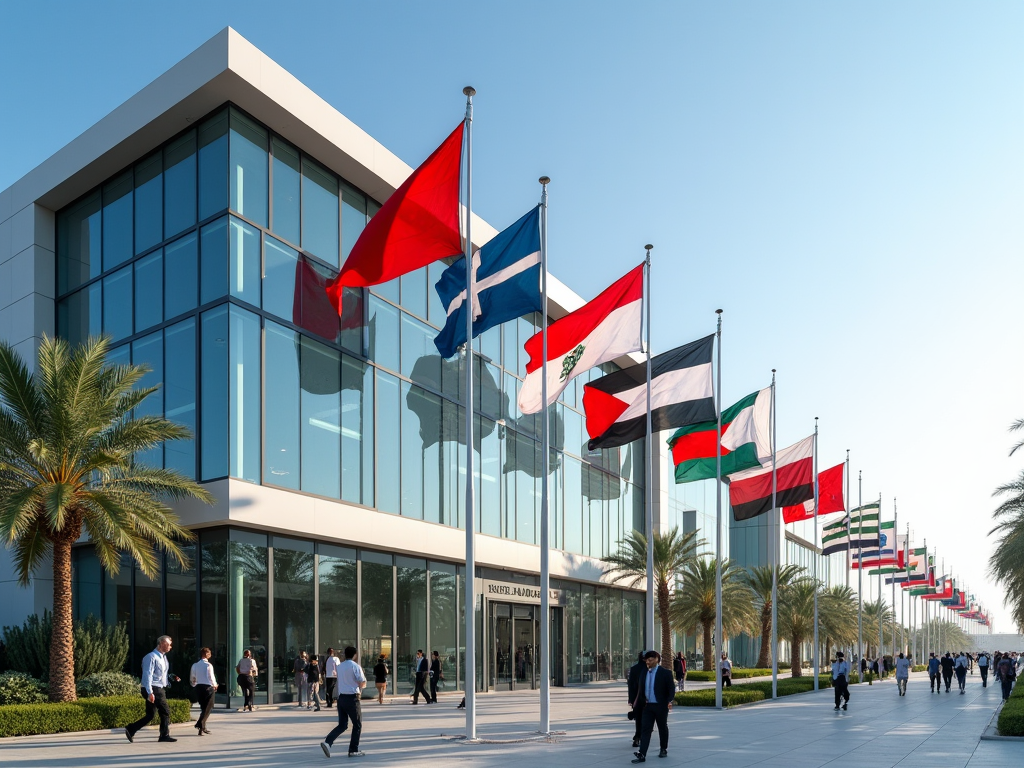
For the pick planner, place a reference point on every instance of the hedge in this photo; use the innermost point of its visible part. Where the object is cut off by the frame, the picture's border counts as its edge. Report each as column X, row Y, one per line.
column 1011, row 718
column 701, row 676
column 919, row 668
column 82, row 715
column 706, row 698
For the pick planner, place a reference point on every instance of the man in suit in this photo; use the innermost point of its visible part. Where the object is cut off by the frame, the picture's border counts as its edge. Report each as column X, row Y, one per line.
column 636, row 673
column 657, row 691
column 422, row 670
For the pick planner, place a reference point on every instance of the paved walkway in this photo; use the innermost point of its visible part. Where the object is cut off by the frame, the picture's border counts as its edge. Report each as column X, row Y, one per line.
column 921, row 730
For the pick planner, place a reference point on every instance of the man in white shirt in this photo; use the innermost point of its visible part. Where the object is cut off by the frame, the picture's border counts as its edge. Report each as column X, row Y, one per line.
column 154, row 682
column 841, row 680
column 960, row 668
column 726, row 671
column 204, row 680
column 902, row 674
column 331, row 675
column 351, row 682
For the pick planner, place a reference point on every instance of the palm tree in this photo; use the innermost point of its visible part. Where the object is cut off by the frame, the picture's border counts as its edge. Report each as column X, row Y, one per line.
column 869, row 612
column 796, row 619
column 759, row 579
column 1006, row 563
column 694, row 602
column 672, row 552
column 68, row 438
column 837, row 614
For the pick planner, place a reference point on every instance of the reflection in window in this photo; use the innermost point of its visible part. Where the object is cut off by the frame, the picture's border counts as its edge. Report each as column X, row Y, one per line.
column 320, row 379
column 214, row 238
column 281, row 414
column 244, row 277
column 117, row 220
column 443, row 621
column 213, row 608
column 319, row 212
column 180, row 393
column 384, row 329
column 214, row 432
column 147, row 612
column 181, row 613
column 149, row 202
column 286, row 191
column 248, row 604
column 414, row 293
column 149, row 351
column 378, row 592
column 353, row 218
column 244, row 386
column 149, row 290
column 213, row 165
column 389, row 408
column 78, row 242
column 488, row 474
column 280, row 263
column 293, row 611
column 117, row 304
column 420, row 361
column 411, row 604
column 338, row 604
column 357, row 454
column 180, row 184
column 180, row 279
column 80, row 315
column 247, row 171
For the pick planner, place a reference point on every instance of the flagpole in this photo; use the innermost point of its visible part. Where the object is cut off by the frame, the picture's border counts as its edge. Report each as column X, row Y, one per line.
column 718, row 520
column 815, row 552
column 649, row 482
column 777, row 534
column 881, row 600
column 860, row 566
column 846, row 504
column 470, row 676
column 545, row 523
column 927, row 626
column 895, row 539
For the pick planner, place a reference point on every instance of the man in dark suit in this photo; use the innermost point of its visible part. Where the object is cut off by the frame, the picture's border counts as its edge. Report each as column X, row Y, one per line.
column 422, row 671
column 657, row 691
column 636, row 673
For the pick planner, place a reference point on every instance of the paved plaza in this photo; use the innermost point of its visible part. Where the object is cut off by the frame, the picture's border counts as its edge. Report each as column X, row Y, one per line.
column 921, row 730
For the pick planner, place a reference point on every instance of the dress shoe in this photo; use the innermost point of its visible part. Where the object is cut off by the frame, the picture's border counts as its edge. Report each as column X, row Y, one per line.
column 844, row 707
column 326, row 748
column 357, row 753
column 638, row 759
column 167, row 738
column 205, row 731
column 129, row 735
column 663, row 753
column 636, row 742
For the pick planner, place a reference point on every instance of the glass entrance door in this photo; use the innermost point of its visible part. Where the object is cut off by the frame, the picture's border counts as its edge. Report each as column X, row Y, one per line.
column 515, row 632
column 556, row 647
column 501, row 647
column 526, row 633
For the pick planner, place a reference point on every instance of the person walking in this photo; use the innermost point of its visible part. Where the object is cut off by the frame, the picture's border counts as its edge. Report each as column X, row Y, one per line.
column 902, row 674
column 155, row 674
column 315, row 676
column 351, row 682
column 863, row 667
column 933, row 673
column 436, row 675
column 726, row 671
column 983, row 664
column 331, row 665
column 204, row 680
column 657, row 691
column 247, row 671
column 301, row 679
column 1007, row 672
column 841, row 679
column 422, row 670
column 380, row 677
column 636, row 702
column 960, row 668
column 679, row 668
column 946, row 662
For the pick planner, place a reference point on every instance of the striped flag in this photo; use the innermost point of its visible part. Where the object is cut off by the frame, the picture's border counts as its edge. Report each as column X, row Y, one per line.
column 856, row 531
column 884, row 555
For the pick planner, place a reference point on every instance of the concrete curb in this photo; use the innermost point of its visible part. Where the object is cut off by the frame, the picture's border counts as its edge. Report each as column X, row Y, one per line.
column 991, row 732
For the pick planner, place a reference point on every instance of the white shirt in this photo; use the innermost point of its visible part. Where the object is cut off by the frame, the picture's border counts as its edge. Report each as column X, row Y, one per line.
column 350, row 675
column 154, row 671
column 202, row 674
column 726, row 666
column 983, row 660
column 331, row 666
column 961, row 661
column 903, row 668
column 841, row 668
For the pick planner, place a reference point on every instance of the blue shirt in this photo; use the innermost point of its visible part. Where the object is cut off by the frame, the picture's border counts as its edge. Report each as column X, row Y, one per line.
column 933, row 666
column 651, row 675
column 154, row 671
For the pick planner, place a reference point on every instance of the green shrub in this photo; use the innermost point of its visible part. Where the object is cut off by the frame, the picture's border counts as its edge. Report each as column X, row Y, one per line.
column 1011, row 718
column 98, row 647
column 706, row 698
column 700, row 676
column 108, row 684
column 19, row 688
column 1017, row 692
column 87, row 714
column 919, row 668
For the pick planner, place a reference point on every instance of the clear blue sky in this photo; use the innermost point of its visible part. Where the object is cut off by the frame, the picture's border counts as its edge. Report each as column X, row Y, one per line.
column 845, row 179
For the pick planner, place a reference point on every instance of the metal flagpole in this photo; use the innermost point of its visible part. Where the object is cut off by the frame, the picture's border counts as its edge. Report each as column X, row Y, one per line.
column 881, row 599
column 718, row 536
column 927, row 626
column 814, row 552
column 860, row 567
column 895, row 539
column 470, row 676
column 846, row 504
column 777, row 535
column 650, row 463
column 545, row 514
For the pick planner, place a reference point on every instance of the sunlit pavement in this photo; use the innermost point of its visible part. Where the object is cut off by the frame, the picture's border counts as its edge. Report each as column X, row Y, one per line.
column 920, row 730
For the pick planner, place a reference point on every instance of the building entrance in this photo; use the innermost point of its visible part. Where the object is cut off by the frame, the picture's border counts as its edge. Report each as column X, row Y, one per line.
column 515, row 641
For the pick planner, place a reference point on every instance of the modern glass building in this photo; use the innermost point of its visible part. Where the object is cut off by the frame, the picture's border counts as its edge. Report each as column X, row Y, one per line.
column 196, row 226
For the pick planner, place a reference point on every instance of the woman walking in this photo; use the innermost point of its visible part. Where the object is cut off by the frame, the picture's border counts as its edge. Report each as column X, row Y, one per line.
column 380, row 677
column 313, row 676
column 204, row 680
column 301, row 680
column 902, row 674
column 247, row 674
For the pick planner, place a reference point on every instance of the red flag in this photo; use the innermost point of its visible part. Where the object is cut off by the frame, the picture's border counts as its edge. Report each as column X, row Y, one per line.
column 830, row 497
column 417, row 225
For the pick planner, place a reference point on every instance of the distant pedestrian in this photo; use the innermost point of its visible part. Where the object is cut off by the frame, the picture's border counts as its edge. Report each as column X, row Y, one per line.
column 204, row 680
column 726, row 667
column 422, row 669
column 983, row 665
column 380, row 677
column 331, row 664
column 436, row 674
column 657, row 691
column 636, row 702
column 946, row 662
column 247, row 671
column 933, row 673
column 155, row 674
column 841, row 679
column 1007, row 671
column 679, row 668
column 902, row 674
column 300, row 677
column 351, row 682
column 315, row 677
column 863, row 666
column 960, row 668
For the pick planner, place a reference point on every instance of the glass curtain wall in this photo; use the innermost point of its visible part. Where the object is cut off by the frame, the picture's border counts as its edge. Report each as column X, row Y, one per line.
column 294, row 611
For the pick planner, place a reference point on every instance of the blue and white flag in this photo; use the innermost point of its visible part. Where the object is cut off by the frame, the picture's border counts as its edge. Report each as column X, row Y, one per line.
column 506, row 274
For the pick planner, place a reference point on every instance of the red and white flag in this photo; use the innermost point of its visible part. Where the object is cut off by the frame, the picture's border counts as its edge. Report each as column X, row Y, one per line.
column 598, row 332
column 750, row 492
column 830, row 497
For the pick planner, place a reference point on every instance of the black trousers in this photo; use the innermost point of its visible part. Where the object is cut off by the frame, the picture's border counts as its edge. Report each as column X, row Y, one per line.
column 842, row 690
column 159, row 704
column 947, row 678
column 961, row 677
column 332, row 683
column 433, row 688
column 933, row 678
column 1007, row 682
column 984, row 670
column 638, row 720
column 654, row 713
column 248, row 686
column 727, row 679
column 204, row 695
column 348, row 709
column 421, row 681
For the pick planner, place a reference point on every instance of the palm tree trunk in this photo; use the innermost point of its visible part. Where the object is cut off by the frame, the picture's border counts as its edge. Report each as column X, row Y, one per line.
column 796, row 667
column 709, row 651
column 62, row 642
column 763, row 658
column 666, row 627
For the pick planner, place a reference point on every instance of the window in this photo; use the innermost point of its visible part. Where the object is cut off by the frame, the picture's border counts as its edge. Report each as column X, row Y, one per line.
column 181, row 282
column 377, row 578
column 180, row 393
column 411, row 617
column 281, row 415
column 244, row 383
column 117, row 220
column 149, row 351
column 80, row 315
column 389, row 408
column 244, row 277
column 149, row 202
column 117, row 304
column 294, row 611
column 248, row 609
column 286, row 191
column 247, row 171
column 280, row 263
column 149, row 290
column 214, row 430
column 338, row 604
column 357, row 454
column 414, row 292
column 353, row 218
column 384, row 329
column 319, row 212
column 213, row 165
column 78, row 242
column 320, row 380
column 214, row 238
column 443, row 619
column 180, row 184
